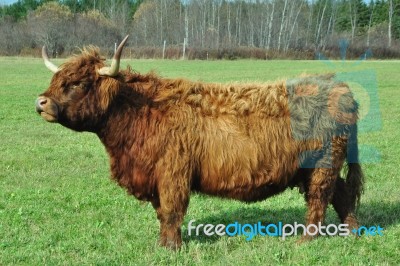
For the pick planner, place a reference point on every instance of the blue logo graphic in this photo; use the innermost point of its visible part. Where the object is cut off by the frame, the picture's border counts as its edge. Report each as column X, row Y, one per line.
column 368, row 231
column 312, row 117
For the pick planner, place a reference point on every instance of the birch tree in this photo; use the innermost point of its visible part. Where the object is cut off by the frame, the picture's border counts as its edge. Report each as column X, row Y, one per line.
column 282, row 24
column 390, row 19
column 271, row 19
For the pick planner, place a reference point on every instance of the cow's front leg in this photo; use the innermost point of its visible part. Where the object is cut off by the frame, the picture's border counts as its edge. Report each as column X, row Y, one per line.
column 170, row 226
column 170, row 212
column 173, row 199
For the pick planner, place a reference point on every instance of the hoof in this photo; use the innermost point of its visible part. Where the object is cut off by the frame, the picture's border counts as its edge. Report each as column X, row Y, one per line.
column 171, row 244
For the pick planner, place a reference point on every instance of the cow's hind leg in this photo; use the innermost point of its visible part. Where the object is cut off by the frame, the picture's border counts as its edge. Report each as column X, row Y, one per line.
column 319, row 191
column 347, row 192
column 322, row 184
column 343, row 204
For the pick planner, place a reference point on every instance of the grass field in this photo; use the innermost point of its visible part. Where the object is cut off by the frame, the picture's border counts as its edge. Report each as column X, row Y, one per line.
column 58, row 205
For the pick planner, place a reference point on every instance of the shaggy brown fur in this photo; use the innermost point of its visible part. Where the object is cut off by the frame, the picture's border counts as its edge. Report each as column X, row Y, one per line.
column 168, row 137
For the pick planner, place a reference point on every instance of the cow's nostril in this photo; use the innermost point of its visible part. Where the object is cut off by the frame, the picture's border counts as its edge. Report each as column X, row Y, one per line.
column 40, row 103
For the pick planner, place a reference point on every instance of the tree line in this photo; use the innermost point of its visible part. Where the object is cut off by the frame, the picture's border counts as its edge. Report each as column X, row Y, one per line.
column 205, row 28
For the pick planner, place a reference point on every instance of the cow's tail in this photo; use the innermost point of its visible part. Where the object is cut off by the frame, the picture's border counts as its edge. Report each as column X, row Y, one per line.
column 355, row 182
column 355, row 177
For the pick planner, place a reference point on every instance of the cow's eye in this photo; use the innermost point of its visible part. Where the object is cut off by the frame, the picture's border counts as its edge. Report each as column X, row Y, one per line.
column 77, row 86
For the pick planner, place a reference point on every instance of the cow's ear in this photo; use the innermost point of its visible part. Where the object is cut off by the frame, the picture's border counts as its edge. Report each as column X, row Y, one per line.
column 107, row 91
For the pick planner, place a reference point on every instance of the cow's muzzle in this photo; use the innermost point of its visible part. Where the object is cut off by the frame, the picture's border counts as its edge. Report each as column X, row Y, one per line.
column 47, row 109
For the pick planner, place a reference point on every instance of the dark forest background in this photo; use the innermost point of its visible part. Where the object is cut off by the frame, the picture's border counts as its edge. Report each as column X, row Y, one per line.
column 205, row 29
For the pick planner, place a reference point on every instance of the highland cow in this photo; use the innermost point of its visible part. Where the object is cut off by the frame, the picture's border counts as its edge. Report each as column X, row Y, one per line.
column 169, row 137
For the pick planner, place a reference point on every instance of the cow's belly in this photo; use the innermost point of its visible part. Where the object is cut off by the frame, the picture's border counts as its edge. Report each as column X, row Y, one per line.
column 243, row 184
column 244, row 193
column 248, row 164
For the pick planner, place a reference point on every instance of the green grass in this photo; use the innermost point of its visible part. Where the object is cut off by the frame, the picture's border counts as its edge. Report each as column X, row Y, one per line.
column 58, row 205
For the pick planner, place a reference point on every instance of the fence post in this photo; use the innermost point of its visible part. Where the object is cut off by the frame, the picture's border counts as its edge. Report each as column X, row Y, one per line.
column 184, row 48
column 163, row 50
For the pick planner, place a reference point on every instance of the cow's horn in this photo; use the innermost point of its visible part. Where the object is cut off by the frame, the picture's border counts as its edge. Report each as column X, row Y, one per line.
column 52, row 67
column 113, row 70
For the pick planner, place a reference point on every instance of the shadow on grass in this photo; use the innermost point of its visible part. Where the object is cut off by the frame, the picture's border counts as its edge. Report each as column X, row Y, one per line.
column 383, row 214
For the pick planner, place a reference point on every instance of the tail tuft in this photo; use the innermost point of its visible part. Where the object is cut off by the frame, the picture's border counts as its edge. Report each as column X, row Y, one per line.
column 355, row 182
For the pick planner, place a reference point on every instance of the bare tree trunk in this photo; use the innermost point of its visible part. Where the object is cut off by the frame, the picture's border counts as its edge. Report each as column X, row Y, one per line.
column 186, row 23
column 318, row 37
column 229, row 25
column 203, row 24
column 158, row 19
column 262, row 31
column 391, row 11
column 251, row 17
column 288, row 21
column 166, row 28
column 335, row 10
column 238, row 23
column 270, row 26
column 369, row 26
column 330, row 25
column 281, row 28
column 310, row 18
column 218, row 24
column 293, row 25
column 353, row 19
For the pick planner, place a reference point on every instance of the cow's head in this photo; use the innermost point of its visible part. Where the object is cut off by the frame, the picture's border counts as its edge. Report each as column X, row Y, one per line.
column 80, row 90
